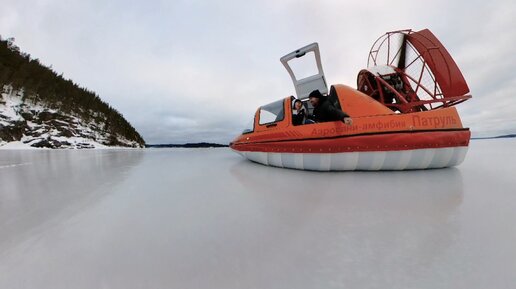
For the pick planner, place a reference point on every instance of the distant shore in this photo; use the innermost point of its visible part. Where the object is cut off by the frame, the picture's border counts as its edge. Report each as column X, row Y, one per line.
column 493, row 137
column 187, row 145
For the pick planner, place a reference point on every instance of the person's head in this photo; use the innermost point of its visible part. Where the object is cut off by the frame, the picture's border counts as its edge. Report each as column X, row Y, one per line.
column 315, row 97
column 298, row 104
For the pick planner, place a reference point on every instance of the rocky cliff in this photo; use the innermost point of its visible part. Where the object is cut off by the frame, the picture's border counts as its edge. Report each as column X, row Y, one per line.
column 37, row 125
column 39, row 108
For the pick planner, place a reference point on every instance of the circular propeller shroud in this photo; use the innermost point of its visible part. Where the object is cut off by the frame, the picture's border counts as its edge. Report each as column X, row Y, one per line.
column 412, row 71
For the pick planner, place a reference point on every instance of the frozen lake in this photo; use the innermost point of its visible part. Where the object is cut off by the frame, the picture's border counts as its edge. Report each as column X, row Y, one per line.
column 207, row 218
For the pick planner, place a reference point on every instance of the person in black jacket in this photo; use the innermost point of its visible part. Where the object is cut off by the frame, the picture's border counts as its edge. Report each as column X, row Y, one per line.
column 324, row 111
column 299, row 114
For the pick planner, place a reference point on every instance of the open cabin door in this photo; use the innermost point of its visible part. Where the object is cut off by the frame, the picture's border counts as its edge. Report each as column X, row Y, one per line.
column 309, row 76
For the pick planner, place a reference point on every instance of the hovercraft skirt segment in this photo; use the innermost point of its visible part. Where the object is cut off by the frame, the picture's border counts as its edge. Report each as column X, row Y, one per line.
column 368, row 161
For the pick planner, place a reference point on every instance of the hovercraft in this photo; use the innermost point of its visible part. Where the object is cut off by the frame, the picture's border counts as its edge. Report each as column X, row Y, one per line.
column 403, row 113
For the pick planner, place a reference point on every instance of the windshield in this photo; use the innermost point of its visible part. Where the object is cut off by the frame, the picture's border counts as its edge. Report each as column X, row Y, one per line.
column 249, row 127
column 272, row 112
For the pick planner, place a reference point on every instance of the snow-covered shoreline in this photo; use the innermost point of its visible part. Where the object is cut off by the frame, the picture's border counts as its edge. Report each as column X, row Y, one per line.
column 18, row 145
column 25, row 123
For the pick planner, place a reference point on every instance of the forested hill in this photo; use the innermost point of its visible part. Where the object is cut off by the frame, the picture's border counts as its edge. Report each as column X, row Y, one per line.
column 40, row 108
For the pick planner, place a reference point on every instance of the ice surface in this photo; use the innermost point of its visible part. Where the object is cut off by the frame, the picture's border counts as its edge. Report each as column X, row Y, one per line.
column 207, row 218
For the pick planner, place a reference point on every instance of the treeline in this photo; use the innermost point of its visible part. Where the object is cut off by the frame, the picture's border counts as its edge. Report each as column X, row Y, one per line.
column 42, row 84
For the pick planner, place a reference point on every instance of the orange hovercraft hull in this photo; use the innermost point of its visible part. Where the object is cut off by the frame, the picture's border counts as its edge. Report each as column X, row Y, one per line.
column 378, row 139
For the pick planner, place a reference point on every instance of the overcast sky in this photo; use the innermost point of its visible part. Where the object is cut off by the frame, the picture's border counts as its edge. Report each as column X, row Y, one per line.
column 189, row 71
